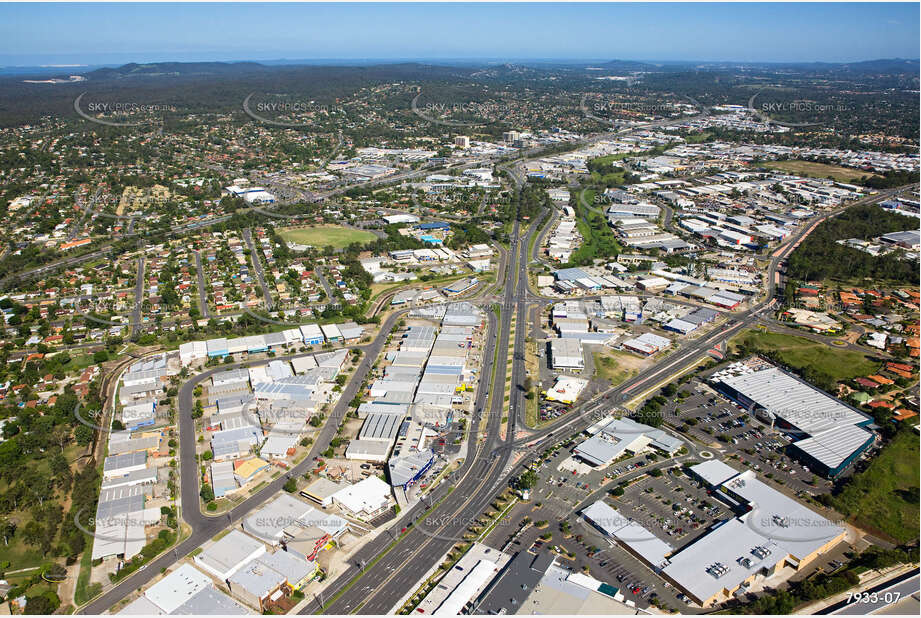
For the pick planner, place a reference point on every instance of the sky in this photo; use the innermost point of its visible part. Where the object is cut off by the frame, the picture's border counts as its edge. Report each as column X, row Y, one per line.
column 83, row 33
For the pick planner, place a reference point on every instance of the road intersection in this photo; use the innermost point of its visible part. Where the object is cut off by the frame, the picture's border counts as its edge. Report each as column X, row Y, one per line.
column 377, row 578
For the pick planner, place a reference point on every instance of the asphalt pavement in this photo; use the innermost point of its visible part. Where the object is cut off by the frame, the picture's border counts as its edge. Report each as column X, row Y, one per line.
column 203, row 526
column 457, row 503
column 138, row 298
column 257, row 266
column 202, row 290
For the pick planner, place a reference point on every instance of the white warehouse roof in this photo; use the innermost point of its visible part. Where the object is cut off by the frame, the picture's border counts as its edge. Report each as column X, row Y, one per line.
column 228, row 555
column 368, row 495
column 801, row 405
column 178, row 587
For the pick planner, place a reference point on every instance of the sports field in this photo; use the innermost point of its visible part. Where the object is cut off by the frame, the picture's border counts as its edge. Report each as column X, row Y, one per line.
column 325, row 235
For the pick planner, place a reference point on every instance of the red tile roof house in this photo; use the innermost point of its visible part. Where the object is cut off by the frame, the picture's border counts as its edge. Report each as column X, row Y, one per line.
column 903, row 414
column 866, row 383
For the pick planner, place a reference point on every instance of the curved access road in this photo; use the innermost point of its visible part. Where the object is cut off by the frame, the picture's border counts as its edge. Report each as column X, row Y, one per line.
column 203, row 526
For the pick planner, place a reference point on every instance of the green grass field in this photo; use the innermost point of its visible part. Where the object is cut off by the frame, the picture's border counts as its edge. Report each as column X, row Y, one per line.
column 812, row 169
column 84, row 590
column 799, row 352
column 884, row 497
column 325, row 236
column 612, row 158
column 614, row 366
column 696, row 138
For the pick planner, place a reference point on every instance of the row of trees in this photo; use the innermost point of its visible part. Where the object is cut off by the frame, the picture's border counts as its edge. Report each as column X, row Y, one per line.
column 825, row 585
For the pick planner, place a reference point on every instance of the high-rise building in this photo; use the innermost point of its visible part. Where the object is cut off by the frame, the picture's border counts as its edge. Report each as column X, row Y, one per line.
column 462, row 141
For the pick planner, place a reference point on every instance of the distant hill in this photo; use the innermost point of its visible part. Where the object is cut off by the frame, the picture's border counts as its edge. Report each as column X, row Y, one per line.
column 890, row 66
column 886, row 65
column 203, row 86
column 222, row 86
column 233, row 69
column 173, row 69
column 628, row 65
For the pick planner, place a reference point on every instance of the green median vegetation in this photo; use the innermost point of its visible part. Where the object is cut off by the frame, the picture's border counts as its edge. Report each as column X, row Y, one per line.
column 598, row 239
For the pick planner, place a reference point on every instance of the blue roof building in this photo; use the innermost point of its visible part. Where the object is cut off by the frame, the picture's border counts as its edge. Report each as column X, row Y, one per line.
column 434, row 225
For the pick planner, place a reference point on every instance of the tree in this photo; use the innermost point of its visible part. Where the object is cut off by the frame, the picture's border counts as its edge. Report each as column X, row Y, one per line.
column 206, row 493
column 43, row 604
column 291, row 486
column 83, row 435
column 7, row 530
column 527, row 480
column 100, row 356
column 60, row 468
column 56, row 572
column 33, row 533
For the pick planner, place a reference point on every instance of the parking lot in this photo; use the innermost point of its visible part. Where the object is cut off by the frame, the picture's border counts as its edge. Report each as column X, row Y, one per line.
column 672, row 506
column 555, row 502
column 577, row 545
column 549, row 410
column 719, row 423
column 615, row 565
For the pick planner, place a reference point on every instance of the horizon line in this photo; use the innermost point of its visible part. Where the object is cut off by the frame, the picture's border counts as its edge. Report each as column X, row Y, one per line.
column 394, row 59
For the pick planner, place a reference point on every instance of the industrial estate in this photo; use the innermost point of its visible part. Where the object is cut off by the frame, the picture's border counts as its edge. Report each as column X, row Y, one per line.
column 480, row 339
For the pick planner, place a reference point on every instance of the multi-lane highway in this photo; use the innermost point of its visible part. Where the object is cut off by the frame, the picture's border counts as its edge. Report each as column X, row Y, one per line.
column 377, row 588
column 138, row 297
column 377, row 577
column 202, row 290
column 257, row 266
